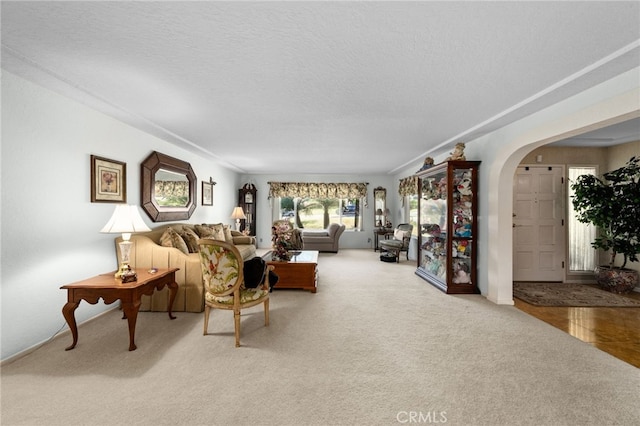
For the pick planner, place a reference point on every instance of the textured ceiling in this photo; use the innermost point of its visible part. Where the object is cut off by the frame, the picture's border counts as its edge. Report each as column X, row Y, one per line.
column 319, row 87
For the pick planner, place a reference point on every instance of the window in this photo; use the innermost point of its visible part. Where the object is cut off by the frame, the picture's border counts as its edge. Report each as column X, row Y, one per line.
column 582, row 256
column 318, row 213
column 411, row 211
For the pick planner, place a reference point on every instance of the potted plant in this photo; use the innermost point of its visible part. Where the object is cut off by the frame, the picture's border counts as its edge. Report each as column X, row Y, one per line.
column 613, row 205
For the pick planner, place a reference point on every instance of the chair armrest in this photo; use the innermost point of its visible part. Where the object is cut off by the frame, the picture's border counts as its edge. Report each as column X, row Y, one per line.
column 265, row 278
column 244, row 239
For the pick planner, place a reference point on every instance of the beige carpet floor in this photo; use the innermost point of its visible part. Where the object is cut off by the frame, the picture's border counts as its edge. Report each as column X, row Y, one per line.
column 376, row 345
column 562, row 294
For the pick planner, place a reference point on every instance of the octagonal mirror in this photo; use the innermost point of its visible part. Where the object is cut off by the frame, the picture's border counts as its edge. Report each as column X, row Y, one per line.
column 168, row 188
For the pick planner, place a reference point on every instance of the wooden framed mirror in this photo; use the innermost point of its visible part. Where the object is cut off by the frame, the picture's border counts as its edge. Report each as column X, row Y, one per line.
column 168, row 188
column 380, row 206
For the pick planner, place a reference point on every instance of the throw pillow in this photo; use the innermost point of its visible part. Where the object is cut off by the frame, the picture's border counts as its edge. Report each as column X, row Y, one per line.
column 171, row 238
column 204, row 231
column 190, row 238
column 399, row 234
column 227, row 234
column 218, row 229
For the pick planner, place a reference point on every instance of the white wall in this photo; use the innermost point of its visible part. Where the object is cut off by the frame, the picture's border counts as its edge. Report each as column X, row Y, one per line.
column 50, row 229
column 502, row 150
column 349, row 239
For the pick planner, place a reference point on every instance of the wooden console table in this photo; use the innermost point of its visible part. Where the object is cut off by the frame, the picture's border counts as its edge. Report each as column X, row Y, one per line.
column 381, row 232
column 110, row 289
column 301, row 271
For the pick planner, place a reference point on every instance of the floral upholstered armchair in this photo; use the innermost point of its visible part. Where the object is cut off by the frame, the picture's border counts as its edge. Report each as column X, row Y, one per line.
column 224, row 285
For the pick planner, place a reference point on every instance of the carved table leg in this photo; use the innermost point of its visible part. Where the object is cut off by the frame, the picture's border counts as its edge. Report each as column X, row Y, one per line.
column 68, row 311
column 173, row 287
column 131, row 311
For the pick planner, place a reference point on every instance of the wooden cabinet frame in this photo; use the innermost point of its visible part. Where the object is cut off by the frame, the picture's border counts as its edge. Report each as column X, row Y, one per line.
column 448, row 226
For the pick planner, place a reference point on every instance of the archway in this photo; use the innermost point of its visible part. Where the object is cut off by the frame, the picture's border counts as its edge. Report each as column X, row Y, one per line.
column 503, row 165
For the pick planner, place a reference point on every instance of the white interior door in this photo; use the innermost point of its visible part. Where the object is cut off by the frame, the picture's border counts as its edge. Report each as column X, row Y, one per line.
column 538, row 224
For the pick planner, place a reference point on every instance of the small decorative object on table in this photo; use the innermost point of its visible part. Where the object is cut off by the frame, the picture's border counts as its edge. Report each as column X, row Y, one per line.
column 281, row 242
column 129, row 276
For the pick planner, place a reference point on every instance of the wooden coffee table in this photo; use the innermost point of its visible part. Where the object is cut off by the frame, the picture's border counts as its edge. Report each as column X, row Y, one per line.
column 110, row 289
column 301, row 271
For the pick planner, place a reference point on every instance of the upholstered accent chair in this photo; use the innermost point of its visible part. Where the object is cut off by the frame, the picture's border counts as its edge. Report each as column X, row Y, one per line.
column 293, row 235
column 326, row 240
column 400, row 241
column 223, row 278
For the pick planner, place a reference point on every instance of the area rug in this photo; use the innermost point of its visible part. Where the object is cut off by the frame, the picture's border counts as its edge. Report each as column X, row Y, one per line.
column 574, row 295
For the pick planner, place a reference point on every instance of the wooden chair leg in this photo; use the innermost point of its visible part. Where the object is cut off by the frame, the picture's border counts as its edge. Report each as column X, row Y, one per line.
column 266, row 312
column 236, row 318
column 207, row 310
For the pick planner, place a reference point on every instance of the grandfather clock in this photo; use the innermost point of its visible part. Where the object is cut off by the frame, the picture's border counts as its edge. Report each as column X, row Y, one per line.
column 247, row 200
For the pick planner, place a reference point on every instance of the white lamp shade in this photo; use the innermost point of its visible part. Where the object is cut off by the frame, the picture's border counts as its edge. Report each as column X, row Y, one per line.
column 238, row 213
column 126, row 220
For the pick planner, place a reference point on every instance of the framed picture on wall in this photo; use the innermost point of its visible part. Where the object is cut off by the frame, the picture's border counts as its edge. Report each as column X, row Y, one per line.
column 207, row 193
column 108, row 180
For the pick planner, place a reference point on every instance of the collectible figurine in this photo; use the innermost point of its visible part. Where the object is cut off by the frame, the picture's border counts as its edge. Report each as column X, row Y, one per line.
column 458, row 153
column 428, row 162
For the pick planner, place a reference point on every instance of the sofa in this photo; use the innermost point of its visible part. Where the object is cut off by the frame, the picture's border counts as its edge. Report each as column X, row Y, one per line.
column 325, row 240
column 148, row 252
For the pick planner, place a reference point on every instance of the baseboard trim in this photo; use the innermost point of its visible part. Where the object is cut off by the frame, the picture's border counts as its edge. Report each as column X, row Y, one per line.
column 501, row 301
column 64, row 332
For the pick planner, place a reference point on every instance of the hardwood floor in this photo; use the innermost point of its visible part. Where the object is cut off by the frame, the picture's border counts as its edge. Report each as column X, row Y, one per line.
column 613, row 330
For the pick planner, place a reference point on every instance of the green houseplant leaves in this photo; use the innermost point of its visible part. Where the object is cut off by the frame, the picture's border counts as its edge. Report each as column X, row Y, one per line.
column 613, row 205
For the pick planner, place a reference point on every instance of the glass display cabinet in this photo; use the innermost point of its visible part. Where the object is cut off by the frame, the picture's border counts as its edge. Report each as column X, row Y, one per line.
column 447, row 226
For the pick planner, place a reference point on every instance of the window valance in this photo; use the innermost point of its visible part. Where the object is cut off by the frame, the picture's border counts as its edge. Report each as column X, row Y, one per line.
column 408, row 186
column 317, row 190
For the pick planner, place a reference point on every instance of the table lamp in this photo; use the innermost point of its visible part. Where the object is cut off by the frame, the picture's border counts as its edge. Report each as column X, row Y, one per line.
column 125, row 220
column 379, row 214
column 238, row 214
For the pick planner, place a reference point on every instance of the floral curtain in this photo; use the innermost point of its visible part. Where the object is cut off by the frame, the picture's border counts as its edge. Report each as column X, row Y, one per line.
column 408, row 186
column 317, row 190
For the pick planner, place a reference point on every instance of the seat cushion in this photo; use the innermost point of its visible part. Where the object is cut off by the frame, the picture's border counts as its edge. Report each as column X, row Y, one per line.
column 393, row 244
column 246, row 295
column 320, row 233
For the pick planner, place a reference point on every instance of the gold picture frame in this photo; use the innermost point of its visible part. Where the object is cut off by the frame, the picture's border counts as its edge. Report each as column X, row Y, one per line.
column 108, row 180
